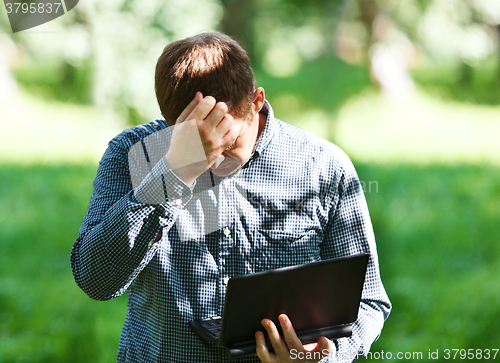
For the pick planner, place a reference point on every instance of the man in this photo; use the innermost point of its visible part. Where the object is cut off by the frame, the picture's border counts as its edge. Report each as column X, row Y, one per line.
column 228, row 189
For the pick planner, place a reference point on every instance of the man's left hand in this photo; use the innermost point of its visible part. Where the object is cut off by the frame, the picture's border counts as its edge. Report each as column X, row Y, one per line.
column 291, row 349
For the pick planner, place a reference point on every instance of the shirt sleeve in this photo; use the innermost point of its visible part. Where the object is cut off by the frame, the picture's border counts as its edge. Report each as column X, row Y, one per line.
column 349, row 232
column 116, row 238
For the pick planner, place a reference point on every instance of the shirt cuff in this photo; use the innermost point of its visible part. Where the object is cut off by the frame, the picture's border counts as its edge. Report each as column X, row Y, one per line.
column 162, row 186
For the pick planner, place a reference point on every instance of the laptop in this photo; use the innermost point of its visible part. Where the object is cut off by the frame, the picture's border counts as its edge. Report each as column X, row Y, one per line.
column 320, row 298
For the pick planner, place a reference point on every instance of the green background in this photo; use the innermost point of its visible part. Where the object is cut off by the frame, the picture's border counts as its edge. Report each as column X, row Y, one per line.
column 428, row 155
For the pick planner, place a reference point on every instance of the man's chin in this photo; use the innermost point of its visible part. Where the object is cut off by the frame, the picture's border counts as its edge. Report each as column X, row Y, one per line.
column 227, row 167
column 224, row 171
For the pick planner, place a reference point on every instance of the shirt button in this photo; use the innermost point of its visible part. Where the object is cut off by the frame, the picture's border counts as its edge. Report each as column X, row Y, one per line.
column 227, row 232
column 178, row 201
column 226, row 280
column 226, row 181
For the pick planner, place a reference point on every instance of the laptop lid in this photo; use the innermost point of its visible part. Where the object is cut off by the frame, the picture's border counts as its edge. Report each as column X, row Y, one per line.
column 314, row 296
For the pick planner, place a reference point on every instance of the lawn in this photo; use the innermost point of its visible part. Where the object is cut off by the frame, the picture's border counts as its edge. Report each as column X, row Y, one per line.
column 434, row 205
column 44, row 317
column 437, row 235
column 437, row 232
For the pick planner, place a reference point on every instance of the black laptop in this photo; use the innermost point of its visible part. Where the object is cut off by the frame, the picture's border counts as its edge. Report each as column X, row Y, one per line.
column 320, row 298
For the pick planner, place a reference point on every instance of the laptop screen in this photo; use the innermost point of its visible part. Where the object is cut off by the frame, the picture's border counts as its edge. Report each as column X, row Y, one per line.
column 314, row 296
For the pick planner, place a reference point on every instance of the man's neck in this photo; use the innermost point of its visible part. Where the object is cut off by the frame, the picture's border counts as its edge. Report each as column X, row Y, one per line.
column 262, row 124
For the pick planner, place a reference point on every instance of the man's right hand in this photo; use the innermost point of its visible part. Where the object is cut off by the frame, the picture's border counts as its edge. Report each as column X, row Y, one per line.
column 200, row 134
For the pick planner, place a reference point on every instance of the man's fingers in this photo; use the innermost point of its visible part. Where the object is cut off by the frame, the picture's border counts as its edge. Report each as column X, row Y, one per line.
column 325, row 344
column 202, row 109
column 189, row 108
column 274, row 336
column 213, row 124
column 311, row 347
column 216, row 115
column 262, row 351
column 224, row 134
column 224, row 126
column 291, row 339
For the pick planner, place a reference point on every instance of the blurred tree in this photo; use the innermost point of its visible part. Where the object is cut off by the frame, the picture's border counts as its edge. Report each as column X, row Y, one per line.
column 105, row 53
column 406, row 33
column 238, row 22
column 129, row 36
column 487, row 12
column 55, row 62
column 328, row 12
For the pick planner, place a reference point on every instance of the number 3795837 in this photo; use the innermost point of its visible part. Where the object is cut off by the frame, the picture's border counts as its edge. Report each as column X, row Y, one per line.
column 470, row 353
column 33, row 8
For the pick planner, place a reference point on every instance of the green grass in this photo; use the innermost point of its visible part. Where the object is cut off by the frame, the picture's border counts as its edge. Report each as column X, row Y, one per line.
column 417, row 129
column 50, row 132
column 44, row 317
column 437, row 234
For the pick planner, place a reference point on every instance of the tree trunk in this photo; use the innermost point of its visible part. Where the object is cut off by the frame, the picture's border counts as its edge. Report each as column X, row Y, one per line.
column 238, row 23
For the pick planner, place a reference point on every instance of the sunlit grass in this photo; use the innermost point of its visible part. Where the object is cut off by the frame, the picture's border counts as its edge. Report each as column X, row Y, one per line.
column 418, row 129
column 369, row 127
column 35, row 130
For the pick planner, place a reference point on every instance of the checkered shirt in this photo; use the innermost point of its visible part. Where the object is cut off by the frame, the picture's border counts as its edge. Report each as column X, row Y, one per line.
column 297, row 200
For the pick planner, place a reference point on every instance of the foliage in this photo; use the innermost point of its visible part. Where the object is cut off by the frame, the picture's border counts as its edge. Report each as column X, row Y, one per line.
column 482, row 85
column 55, row 62
column 446, row 31
column 325, row 83
column 436, row 224
column 105, row 53
column 63, row 82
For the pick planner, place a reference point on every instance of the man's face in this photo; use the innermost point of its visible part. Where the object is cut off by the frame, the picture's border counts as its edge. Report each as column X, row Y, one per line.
column 248, row 129
column 237, row 154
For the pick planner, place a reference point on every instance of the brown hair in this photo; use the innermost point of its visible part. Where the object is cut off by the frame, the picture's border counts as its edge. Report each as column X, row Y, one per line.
column 211, row 63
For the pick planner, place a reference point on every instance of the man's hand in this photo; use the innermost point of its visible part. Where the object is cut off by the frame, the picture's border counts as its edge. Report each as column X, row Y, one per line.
column 290, row 350
column 200, row 134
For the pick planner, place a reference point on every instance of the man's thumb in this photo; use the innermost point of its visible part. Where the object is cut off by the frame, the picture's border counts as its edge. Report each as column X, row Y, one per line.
column 324, row 344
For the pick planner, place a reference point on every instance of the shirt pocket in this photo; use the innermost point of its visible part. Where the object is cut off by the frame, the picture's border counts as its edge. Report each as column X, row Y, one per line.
column 277, row 248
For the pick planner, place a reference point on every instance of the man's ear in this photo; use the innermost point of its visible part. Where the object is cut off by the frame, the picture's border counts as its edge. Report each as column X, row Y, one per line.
column 258, row 99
